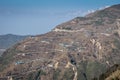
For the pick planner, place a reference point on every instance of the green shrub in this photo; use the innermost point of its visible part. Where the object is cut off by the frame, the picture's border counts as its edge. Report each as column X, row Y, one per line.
column 56, row 74
column 68, row 75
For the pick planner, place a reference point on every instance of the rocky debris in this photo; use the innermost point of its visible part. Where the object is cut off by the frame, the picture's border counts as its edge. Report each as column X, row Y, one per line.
column 106, row 34
column 66, row 30
column 56, row 65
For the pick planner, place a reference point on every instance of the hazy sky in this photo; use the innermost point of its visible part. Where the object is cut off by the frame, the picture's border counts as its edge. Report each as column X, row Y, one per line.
column 33, row 17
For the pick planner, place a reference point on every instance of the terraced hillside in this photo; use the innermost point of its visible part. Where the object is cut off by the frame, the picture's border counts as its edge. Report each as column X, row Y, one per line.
column 80, row 49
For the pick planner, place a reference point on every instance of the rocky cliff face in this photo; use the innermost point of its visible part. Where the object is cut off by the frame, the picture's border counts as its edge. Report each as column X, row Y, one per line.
column 80, row 49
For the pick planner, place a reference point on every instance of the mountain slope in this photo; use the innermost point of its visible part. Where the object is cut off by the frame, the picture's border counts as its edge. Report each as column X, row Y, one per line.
column 80, row 49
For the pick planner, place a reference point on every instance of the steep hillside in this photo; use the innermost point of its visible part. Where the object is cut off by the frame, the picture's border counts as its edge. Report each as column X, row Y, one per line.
column 80, row 49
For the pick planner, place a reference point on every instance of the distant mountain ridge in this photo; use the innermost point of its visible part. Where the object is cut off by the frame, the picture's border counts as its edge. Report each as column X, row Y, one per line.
column 80, row 49
column 9, row 40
